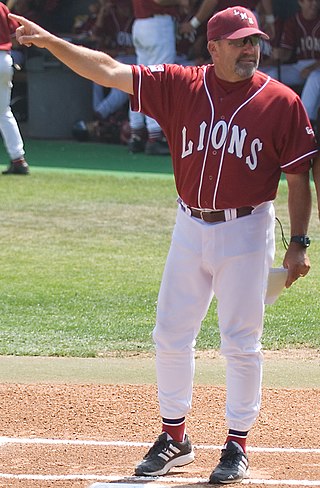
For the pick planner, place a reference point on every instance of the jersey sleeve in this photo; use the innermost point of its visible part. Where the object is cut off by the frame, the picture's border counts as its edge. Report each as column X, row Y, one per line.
column 157, row 89
column 297, row 145
column 13, row 25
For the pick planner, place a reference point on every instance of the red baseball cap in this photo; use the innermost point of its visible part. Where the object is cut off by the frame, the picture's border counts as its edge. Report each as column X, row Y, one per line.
column 233, row 23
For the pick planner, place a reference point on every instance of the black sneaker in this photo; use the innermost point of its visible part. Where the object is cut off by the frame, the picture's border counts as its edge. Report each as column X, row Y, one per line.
column 164, row 455
column 233, row 466
column 136, row 144
column 17, row 167
column 158, row 147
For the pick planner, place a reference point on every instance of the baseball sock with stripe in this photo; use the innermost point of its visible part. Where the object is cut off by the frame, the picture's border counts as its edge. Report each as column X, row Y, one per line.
column 176, row 428
column 239, row 437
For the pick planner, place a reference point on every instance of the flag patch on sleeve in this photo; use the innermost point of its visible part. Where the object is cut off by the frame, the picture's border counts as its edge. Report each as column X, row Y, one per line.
column 156, row 67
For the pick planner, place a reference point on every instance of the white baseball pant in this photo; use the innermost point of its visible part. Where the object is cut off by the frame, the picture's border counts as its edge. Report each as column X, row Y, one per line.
column 107, row 105
column 8, row 125
column 310, row 95
column 290, row 74
column 230, row 260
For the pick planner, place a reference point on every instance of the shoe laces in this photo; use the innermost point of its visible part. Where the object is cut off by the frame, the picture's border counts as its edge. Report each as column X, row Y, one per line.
column 157, row 447
column 228, row 456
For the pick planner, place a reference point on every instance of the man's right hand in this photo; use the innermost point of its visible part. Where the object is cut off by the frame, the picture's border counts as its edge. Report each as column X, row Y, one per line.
column 29, row 33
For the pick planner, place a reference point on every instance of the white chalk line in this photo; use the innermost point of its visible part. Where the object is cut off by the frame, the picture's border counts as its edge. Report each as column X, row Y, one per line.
column 135, row 479
column 132, row 480
column 84, row 442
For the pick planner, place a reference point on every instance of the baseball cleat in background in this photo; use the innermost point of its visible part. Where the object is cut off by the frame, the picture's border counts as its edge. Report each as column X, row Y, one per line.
column 136, row 144
column 164, row 455
column 17, row 167
column 80, row 131
column 158, row 147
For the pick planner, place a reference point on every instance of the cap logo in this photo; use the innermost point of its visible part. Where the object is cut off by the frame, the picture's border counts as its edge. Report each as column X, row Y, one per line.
column 243, row 16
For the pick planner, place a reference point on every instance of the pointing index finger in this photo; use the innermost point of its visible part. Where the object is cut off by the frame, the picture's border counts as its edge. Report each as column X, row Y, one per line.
column 18, row 18
column 28, row 32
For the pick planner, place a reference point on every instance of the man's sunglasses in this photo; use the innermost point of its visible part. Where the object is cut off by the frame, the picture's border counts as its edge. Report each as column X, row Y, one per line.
column 254, row 40
column 243, row 41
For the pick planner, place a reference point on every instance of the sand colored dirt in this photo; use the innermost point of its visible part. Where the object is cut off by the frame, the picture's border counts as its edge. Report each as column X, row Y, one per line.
column 289, row 418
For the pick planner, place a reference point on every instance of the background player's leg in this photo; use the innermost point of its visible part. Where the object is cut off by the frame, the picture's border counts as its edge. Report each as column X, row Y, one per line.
column 8, row 125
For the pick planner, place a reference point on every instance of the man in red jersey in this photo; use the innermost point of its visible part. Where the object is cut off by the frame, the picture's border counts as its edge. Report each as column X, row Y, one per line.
column 306, row 42
column 229, row 143
column 8, row 125
column 299, row 49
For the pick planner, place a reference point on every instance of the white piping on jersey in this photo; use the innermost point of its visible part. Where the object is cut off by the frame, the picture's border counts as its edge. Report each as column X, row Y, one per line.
column 208, row 139
column 225, row 143
column 139, row 89
column 298, row 159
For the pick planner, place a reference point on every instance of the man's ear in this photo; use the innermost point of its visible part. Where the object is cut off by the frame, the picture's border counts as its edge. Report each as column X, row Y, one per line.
column 212, row 48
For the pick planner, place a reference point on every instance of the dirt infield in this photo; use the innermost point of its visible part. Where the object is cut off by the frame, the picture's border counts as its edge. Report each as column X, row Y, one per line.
column 118, row 418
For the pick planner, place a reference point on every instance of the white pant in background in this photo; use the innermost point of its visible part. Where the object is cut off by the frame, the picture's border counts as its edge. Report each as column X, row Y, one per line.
column 8, row 125
column 310, row 95
column 290, row 74
column 115, row 99
column 230, row 260
column 154, row 40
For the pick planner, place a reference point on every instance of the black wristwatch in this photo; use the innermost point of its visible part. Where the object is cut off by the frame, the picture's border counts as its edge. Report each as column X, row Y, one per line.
column 303, row 240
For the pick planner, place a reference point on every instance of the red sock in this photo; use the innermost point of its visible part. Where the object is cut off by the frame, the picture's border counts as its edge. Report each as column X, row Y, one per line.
column 238, row 437
column 176, row 428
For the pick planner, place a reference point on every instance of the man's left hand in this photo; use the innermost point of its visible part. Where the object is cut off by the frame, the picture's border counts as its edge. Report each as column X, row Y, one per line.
column 297, row 262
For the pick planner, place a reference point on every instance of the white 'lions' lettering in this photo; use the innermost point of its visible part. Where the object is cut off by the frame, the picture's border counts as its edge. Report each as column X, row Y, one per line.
column 256, row 145
column 203, row 127
column 218, row 138
column 215, row 140
column 310, row 43
column 236, row 143
column 186, row 151
column 124, row 39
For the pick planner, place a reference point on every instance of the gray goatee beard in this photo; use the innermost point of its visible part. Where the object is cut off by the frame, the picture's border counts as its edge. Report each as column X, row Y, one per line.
column 245, row 71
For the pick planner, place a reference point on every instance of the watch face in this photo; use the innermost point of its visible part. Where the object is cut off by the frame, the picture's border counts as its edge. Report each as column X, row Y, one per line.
column 303, row 240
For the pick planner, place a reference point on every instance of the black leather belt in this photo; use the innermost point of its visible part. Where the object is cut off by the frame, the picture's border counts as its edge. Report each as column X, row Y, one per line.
column 212, row 216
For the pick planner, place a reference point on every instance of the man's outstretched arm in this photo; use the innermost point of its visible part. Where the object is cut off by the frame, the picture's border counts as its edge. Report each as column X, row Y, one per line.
column 94, row 65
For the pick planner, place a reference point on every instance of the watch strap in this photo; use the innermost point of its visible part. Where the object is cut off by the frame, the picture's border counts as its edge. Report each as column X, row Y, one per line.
column 303, row 240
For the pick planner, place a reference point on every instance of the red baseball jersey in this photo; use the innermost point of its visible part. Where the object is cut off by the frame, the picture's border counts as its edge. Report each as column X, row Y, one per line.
column 148, row 8
column 229, row 141
column 302, row 36
column 7, row 28
column 116, row 31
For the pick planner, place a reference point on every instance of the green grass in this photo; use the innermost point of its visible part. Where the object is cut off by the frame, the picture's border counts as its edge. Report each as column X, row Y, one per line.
column 82, row 258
